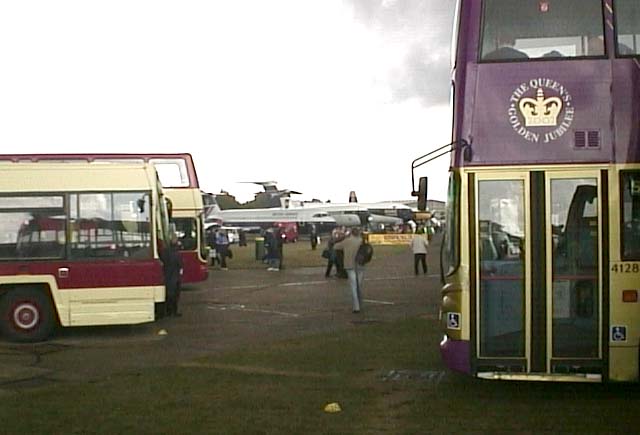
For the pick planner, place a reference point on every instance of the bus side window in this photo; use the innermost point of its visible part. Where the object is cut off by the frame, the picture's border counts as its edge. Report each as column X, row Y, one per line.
column 630, row 185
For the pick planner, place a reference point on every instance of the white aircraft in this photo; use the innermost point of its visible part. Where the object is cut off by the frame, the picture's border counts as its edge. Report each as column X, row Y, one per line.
column 379, row 213
column 373, row 215
column 265, row 217
column 392, row 209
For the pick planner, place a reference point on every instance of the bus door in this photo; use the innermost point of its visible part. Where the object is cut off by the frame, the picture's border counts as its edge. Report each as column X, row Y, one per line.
column 537, row 276
column 574, row 241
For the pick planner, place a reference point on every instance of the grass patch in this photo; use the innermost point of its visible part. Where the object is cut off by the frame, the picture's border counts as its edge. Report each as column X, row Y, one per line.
column 299, row 254
column 276, row 389
column 283, row 389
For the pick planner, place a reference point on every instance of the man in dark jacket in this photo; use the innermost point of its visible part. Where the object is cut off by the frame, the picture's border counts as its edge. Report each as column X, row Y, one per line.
column 172, row 267
column 273, row 246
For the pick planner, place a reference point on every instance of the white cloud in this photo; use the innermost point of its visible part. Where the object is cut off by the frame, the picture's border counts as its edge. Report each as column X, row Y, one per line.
column 294, row 91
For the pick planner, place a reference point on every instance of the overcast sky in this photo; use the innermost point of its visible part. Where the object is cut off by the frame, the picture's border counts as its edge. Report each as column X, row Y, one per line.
column 322, row 96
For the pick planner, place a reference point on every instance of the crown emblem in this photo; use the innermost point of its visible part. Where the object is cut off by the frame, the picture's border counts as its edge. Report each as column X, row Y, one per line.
column 541, row 111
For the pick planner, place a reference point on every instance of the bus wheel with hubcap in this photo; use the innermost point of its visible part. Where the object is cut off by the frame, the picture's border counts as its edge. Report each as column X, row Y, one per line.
column 26, row 314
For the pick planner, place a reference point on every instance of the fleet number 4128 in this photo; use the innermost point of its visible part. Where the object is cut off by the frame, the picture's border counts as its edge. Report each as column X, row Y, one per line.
column 626, row 268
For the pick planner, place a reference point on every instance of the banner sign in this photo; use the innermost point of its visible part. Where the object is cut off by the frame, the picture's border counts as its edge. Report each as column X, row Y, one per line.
column 390, row 239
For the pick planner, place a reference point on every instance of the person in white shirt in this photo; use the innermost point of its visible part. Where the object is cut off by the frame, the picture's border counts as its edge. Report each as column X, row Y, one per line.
column 419, row 245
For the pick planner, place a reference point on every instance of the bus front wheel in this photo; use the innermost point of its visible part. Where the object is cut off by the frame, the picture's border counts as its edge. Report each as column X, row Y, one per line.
column 27, row 315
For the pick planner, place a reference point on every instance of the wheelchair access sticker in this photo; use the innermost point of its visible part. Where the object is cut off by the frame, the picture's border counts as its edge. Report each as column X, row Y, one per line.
column 453, row 320
column 618, row 333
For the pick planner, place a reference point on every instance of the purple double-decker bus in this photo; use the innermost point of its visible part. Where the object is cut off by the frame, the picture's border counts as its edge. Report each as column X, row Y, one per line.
column 541, row 258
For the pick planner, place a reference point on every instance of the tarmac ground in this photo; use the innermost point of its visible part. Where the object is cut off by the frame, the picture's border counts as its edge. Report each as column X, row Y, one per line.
column 233, row 309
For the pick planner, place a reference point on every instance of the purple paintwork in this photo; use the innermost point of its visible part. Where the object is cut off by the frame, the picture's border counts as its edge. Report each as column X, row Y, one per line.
column 456, row 355
column 599, row 98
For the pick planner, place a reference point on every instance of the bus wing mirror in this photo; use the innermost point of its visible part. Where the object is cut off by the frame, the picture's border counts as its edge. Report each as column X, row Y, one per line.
column 422, row 193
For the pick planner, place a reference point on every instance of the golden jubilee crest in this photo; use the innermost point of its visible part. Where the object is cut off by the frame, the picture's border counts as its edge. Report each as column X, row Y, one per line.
column 540, row 110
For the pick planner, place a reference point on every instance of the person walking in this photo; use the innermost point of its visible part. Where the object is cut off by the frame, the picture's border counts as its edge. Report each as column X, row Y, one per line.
column 349, row 246
column 419, row 244
column 242, row 238
column 330, row 256
column 211, row 241
column 222, row 247
column 280, row 236
column 272, row 244
column 339, row 234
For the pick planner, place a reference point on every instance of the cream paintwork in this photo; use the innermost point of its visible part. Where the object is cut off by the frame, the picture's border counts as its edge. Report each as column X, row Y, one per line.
column 80, row 177
column 623, row 356
column 89, row 306
column 538, row 377
column 187, row 201
column 460, row 278
column 99, row 306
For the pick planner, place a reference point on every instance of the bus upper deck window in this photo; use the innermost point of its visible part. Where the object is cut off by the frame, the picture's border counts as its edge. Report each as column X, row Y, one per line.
column 552, row 29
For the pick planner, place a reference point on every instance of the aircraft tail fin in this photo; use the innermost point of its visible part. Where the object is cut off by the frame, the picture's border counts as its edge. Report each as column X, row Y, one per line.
column 210, row 204
column 352, row 196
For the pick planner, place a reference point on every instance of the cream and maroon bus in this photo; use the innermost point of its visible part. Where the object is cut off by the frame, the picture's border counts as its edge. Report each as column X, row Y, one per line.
column 179, row 180
column 79, row 245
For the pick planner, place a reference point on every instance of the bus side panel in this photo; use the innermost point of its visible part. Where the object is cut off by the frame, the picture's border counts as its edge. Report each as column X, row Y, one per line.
column 98, row 293
column 98, row 306
column 194, row 269
column 624, row 328
column 623, row 364
column 624, row 317
column 111, row 306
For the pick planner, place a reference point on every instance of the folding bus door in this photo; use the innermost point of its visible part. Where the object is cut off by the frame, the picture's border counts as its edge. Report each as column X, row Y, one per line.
column 501, row 279
column 536, row 278
column 574, row 222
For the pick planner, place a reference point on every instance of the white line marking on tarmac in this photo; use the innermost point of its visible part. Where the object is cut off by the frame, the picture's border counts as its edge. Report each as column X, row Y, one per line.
column 286, row 284
column 291, row 284
column 396, row 278
column 373, row 301
column 255, row 310
column 304, row 283
column 240, row 287
column 280, row 313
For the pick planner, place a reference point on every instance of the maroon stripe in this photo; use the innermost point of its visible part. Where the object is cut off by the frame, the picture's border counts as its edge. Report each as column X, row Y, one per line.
column 95, row 274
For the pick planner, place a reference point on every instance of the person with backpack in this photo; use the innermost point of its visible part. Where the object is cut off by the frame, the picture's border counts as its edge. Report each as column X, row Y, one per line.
column 356, row 254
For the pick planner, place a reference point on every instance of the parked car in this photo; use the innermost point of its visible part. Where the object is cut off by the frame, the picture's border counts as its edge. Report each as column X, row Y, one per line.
column 289, row 231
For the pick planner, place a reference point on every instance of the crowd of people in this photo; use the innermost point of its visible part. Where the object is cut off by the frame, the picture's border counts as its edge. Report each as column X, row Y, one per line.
column 342, row 252
column 220, row 251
